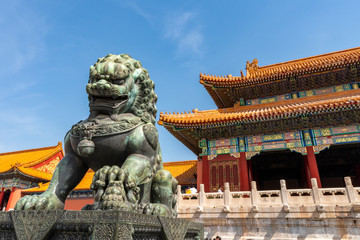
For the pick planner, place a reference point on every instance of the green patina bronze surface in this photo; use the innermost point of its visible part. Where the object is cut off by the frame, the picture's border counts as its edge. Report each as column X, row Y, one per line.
column 119, row 141
column 94, row 225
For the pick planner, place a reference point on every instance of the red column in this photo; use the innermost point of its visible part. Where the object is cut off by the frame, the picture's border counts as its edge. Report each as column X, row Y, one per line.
column 250, row 171
column 306, row 170
column 206, row 173
column 244, row 174
column 312, row 165
column 10, row 199
column 199, row 172
column 1, row 196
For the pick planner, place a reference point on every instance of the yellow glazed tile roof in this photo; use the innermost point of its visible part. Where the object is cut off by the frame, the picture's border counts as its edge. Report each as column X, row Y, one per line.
column 27, row 158
column 183, row 171
column 35, row 173
column 83, row 185
column 42, row 188
column 275, row 110
column 256, row 74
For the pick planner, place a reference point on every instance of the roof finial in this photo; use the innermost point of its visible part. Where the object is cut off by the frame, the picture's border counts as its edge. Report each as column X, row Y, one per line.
column 251, row 67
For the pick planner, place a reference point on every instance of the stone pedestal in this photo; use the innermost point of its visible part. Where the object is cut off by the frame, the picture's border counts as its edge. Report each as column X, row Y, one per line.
column 60, row 224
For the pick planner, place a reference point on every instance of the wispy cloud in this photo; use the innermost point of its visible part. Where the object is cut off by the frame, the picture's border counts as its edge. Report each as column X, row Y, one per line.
column 17, row 89
column 182, row 28
column 19, row 122
column 22, row 36
column 138, row 10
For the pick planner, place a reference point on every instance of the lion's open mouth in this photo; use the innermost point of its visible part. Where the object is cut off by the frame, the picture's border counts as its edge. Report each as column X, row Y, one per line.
column 98, row 103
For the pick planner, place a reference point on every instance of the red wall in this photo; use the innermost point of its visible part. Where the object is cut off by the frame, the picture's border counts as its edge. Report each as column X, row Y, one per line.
column 77, row 203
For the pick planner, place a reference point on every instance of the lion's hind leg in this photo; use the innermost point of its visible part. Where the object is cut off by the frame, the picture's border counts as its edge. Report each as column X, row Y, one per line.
column 163, row 198
column 138, row 179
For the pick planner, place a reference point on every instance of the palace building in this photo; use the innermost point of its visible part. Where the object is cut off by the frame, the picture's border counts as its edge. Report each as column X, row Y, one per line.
column 294, row 120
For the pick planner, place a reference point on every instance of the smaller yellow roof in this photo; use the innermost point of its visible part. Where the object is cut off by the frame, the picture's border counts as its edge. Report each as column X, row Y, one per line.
column 183, row 171
column 27, row 158
column 83, row 185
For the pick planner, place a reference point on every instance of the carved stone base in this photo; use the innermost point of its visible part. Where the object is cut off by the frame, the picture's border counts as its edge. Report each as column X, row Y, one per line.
column 118, row 225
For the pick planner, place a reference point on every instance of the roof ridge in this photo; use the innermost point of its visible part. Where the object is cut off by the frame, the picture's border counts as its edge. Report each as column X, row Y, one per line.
column 312, row 57
column 268, row 110
column 282, row 103
column 58, row 148
column 38, row 174
column 256, row 74
column 228, row 76
column 29, row 150
column 180, row 162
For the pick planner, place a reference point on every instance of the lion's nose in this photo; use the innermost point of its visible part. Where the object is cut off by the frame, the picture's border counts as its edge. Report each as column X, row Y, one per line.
column 103, row 85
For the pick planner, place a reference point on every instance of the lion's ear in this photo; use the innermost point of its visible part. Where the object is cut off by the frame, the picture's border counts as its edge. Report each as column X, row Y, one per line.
column 137, row 73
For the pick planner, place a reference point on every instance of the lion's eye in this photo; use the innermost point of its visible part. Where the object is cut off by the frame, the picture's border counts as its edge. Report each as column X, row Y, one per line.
column 119, row 81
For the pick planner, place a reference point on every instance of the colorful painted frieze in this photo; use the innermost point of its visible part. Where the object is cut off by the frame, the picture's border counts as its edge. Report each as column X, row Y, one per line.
column 295, row 141
column 242, row 144
column 16, row 182
column 223, row 142
column 274, row 146
column 301, row 94
column 323, row 132
column 273, row 137
column 307, row 138
column 219, row 146
column 204, row 147
column 268, row 99
column 223, row 150
column 326, row 90
column 339, row 139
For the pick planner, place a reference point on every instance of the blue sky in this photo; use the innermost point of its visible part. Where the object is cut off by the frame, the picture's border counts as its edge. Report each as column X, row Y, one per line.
column 46, row 48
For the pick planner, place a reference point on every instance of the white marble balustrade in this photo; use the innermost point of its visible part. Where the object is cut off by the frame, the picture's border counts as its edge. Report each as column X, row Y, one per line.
column 283, row 200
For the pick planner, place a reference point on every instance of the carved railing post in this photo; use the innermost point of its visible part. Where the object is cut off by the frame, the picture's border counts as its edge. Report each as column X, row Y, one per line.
column 178, row 197
column 201, row 198
column 254, row 197
column 316, row 195
column 351, row 194
column 227, row 196
column 284, row 196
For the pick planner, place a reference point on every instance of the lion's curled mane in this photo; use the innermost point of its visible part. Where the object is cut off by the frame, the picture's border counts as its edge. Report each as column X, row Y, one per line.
column 144, row 103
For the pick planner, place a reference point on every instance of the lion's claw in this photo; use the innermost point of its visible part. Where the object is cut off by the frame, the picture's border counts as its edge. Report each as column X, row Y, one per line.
column 114, row 185
column 130, row 182
column 39, row 202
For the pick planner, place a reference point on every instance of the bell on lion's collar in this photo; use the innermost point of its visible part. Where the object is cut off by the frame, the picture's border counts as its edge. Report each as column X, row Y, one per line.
column 86, row 147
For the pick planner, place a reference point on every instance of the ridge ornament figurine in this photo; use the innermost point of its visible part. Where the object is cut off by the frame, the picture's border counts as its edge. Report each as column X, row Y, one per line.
column 119, row 141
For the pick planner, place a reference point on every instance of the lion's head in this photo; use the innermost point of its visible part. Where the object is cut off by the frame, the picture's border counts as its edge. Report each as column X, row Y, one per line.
column 119, row 84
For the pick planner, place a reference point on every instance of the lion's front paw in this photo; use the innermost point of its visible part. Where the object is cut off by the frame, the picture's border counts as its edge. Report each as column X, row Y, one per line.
column 39, row 202
column 114, row 184
column 114, row 198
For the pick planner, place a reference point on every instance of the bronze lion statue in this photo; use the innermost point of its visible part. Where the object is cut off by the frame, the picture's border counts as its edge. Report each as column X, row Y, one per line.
column 119, row 141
